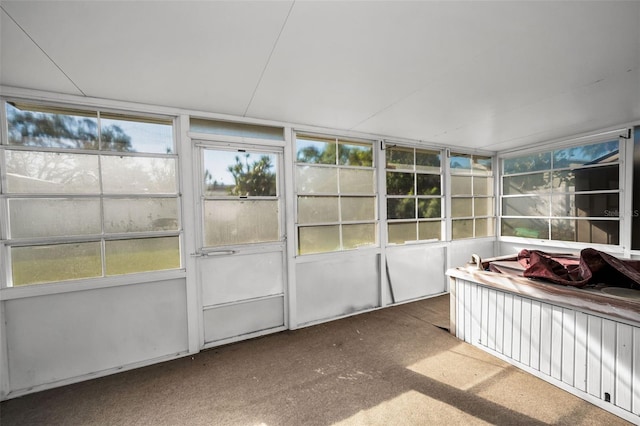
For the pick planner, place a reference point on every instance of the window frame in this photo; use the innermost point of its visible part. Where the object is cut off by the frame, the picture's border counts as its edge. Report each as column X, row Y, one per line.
column 550, row 148
column 103, row 238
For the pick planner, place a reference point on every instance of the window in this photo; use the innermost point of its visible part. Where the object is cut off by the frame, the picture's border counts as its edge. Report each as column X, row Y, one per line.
column 569, row 194
column 472, row 200
column 336, row 194
column 87, row 194
column 414, row 194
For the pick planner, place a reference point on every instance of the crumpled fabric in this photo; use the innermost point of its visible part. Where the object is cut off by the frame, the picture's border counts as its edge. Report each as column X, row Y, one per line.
column 591, row 267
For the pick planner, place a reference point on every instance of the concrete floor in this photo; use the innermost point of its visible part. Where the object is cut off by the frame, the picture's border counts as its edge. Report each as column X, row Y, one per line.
column 395, row 366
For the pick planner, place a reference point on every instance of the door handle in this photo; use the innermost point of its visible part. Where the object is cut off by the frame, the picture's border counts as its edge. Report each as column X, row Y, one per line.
column 214, row 253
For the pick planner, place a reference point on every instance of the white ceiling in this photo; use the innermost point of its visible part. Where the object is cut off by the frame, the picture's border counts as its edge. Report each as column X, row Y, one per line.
column 485, row 75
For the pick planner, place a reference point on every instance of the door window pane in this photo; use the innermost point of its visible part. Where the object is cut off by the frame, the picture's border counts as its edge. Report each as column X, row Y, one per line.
column 316, row 180
column 52, row 217
column 317, row 209
column 52, row 172
column 141, row 255
column 232, row 173
column 138, row 175
column 60, row 262
column 360, row 235
column 230, row 222
column 318, row 239
column 140, row 214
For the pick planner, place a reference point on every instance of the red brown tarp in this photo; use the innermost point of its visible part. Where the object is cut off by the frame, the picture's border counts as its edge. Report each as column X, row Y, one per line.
column 591, row 267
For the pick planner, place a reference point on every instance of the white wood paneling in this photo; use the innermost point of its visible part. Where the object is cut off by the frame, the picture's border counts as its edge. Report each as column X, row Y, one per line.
column 595, row 358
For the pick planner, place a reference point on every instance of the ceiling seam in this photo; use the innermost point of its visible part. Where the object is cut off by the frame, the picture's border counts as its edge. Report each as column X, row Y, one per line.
column 43, row 51
column 266, row 65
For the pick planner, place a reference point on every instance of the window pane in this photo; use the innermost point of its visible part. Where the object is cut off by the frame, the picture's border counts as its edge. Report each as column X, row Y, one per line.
column 528, row 163
column 429, row 230
column 599, row 153
column 461, row 185
column 229, row 128
column 131, row 135
column 362, row 235
column 485, row 227
column 399, row 158
column 232, row 173
column 589, row 179
column 142, row 255
column 401, row 232
column 62, row 262
column 526, row 184
column 355, row 154
column 482, row 165
column 428, row 161
column 526, row 206
column 140, row 214
column 428, row 184
column 461, row 207
column 48, row 217
column 317, row 209
column 52, row 128
column 483, row 206
column 318, row 239
column 401, row 208
column 585, row 205
column 462, row 228
column 353, row 181
column 230, row 222
column 400, row 183
column 358, row 208
column 526, row 228
column 586, row 231
column 315, row 150
column 313, row 180
column 44, row 172
column 138, row 175
column 429, row 208
column 482, row 185
column 460, row 163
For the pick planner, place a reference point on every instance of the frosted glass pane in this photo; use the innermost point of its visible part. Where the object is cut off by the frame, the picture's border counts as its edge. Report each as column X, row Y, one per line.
column 429, row 230
column 48, row 172
column 354, row 236
column 355, row 154
column 313, row 180
column 428, row 184
column 40, row 264
column 526, row 206
column 140, row 214
column 482, row 185
column 138, row 175
column 400, row 183
column 461, row 207
column 141, row 255
column 317, row 209
column 120, row 134
column 400, row 158
column 231, row 222
column 526, row 228
column 461, row 185
column 485, row 227
column 401, row 208
column 356, row 181
column 401, row 232
column 51, row 127
column 462, row 228
column 318, row 239
column 527, row 184
column 358, row 208
column 429, row 208
column 232, row 173
column 483, row 207
column 47, row 217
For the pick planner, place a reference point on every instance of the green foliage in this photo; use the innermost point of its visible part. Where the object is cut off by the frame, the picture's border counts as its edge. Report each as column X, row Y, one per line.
column 256, row 179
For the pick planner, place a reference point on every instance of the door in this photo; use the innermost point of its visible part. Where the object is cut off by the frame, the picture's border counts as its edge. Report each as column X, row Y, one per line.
column 241, row 255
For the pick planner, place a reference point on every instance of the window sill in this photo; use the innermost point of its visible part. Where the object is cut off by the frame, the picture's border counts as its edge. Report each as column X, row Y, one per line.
column 45, row 289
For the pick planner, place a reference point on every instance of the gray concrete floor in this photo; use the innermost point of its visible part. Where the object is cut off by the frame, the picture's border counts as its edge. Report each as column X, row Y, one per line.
column 395, row 366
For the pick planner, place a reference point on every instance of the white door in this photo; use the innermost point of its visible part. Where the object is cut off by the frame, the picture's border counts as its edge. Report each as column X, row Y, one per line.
column 241, row 258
